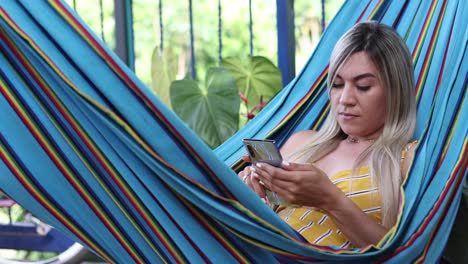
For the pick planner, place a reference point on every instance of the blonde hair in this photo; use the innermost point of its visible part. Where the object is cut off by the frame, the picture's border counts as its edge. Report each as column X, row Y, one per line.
column 389, row 53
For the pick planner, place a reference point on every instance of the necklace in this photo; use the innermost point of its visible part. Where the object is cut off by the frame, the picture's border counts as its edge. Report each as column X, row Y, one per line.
column 353, row 140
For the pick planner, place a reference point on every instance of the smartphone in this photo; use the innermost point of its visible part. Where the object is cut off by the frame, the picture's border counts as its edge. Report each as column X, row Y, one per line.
column 265, row 150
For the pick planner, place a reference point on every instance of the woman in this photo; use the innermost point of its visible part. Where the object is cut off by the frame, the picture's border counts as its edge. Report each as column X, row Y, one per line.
column 345, row 179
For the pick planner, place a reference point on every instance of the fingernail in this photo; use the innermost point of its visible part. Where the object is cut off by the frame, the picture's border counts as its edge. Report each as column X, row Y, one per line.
column 258, row 165
column 255, row 175
column 285, row 163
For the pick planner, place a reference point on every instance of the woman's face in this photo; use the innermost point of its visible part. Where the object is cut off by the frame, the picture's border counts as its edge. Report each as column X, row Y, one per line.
column 358, row 97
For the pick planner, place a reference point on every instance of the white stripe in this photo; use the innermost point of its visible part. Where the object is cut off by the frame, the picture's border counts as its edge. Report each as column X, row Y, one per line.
column 355, row 177
column 372, row 210
column 324, row 217
column 361, row 192
column 303, row 216
column 345, row 244
column 286, row 219
column 322, row 237
column 304, row 228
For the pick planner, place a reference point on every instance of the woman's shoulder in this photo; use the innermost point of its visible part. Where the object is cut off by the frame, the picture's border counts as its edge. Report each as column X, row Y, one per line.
column 303, row 135
column 407, row 156
column 408, row 150
column 296, row 140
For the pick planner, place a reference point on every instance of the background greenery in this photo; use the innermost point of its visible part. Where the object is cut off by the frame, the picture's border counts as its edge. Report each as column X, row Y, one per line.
column 235, row 29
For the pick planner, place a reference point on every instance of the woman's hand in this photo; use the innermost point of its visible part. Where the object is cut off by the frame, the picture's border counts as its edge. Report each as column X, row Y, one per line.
column 301, row 184
column 246, row 176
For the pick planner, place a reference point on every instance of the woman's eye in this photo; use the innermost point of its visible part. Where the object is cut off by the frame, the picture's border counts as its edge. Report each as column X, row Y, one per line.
column 363, row 88
column 337, row 85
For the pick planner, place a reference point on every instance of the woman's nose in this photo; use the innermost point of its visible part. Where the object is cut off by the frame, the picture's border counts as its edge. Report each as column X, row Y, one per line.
column 347, row 96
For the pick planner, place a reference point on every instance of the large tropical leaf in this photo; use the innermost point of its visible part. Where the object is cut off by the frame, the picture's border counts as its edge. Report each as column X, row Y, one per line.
column 163, row 70
column 212, row 109
column 256, row 77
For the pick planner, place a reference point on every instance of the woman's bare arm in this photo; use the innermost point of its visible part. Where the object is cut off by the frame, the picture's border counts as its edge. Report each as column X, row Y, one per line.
column 306, row 185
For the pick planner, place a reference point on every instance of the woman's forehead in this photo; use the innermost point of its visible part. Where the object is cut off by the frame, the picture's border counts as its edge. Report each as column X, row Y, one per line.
column 359, row 66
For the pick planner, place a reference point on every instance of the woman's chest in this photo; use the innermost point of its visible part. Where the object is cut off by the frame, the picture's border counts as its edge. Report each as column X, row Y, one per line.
column 338, row 160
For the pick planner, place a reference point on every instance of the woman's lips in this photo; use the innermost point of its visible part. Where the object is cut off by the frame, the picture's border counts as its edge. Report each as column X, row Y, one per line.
column 348, row 116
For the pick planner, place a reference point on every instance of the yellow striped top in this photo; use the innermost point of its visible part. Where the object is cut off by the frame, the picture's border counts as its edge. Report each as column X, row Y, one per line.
column 317, row 227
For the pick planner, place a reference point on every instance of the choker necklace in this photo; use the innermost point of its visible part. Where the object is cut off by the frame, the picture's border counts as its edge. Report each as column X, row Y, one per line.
column 353, row 140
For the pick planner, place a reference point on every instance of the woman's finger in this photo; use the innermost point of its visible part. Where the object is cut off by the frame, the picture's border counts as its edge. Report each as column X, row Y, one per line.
column 244, row 172
column 266, row 173
column 255, row 185
column 246, row 158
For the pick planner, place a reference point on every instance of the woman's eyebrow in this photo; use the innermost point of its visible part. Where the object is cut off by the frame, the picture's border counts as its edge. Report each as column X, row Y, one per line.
column 364, row 75
column 360, row 76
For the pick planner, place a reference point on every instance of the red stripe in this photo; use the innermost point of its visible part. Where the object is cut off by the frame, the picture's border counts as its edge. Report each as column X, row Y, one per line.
column 210, row 229
column 439, row 80
column 169, row 215
column 419, row 46
column 431, row 45
column 306, row 97
column 365, row 10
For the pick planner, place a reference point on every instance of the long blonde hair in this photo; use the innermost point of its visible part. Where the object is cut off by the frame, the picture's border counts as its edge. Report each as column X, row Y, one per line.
column 389, row 53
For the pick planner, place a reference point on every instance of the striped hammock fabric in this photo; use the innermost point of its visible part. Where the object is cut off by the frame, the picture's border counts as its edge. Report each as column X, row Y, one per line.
column 86, row 147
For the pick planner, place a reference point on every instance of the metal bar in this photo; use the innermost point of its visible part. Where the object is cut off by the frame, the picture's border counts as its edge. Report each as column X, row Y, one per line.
column 192, row 43
column 124, row 31
column 251, row 35
column 286, row 39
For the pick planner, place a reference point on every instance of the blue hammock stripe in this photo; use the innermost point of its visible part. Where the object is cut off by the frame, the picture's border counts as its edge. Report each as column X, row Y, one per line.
column 86, row 147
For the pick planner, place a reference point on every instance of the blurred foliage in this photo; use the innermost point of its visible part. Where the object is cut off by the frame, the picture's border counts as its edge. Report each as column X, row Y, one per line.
column 235, row 30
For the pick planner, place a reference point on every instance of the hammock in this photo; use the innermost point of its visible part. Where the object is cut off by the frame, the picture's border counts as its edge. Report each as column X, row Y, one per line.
column 90, row 150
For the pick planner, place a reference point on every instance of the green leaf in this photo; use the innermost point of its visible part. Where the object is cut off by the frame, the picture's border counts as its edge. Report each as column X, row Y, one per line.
column 212, row 109
column 255, row 76
column 163, row 69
